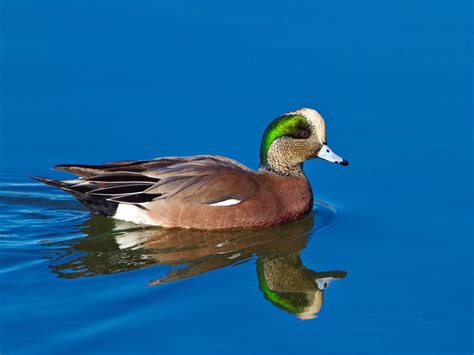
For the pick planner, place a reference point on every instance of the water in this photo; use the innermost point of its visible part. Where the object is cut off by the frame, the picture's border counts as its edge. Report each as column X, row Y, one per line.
column 384, row 263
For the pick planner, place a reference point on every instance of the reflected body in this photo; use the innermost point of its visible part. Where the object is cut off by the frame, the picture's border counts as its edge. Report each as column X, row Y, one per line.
column 113, row 246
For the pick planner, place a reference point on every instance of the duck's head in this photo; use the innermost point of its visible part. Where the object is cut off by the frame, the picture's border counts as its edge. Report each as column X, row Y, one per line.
column 293, row 138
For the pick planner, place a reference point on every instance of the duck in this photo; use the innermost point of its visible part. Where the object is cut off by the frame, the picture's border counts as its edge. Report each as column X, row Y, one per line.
column 210, row 192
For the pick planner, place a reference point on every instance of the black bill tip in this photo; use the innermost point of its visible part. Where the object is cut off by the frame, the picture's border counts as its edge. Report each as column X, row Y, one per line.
column 344, row 162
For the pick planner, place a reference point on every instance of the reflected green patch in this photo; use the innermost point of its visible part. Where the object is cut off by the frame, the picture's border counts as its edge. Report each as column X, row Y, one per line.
column 274, row 297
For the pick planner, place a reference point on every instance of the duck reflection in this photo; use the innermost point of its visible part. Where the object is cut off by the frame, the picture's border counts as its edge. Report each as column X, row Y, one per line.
column 113, row 246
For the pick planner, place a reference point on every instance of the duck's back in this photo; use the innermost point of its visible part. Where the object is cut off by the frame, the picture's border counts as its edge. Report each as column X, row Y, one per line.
column 203, row 192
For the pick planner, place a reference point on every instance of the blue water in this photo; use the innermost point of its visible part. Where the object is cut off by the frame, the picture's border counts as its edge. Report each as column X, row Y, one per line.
column 390, row 237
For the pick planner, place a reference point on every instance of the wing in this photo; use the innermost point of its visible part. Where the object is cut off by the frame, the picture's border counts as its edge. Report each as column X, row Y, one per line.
column 198, row 179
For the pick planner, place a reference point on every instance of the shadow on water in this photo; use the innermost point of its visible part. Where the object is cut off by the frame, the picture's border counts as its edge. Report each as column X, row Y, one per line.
column 112, row 246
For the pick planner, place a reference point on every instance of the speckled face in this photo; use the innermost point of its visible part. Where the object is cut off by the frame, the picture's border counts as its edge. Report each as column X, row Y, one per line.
column 291, row 139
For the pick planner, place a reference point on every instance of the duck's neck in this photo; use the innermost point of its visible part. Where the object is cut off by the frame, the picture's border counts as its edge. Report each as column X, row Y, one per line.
column 281, row 159
column 280, row 167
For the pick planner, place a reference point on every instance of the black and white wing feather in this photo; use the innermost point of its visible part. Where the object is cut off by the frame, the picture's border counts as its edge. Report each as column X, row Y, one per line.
column 198, row 179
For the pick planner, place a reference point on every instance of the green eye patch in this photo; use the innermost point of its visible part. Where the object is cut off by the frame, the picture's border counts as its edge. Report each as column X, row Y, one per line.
column 287, row 125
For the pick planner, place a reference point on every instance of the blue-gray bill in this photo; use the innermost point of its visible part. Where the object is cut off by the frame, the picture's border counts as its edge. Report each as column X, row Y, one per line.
column 326, row 153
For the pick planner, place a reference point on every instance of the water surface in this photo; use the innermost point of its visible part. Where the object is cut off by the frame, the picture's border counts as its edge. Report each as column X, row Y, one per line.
column 384, row 265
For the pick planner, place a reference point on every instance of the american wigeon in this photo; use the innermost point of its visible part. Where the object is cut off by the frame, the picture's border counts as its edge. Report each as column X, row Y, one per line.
column 210, row 192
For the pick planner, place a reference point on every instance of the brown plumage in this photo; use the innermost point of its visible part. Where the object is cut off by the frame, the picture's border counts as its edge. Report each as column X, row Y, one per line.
column 179, row 192
column 208, row 192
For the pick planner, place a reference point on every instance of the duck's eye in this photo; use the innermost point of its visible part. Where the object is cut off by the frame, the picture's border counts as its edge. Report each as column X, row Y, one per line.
column 303, row 133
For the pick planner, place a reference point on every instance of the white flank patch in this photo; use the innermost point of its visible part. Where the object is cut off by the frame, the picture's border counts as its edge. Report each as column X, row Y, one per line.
column 229, row 202
column 134, row 214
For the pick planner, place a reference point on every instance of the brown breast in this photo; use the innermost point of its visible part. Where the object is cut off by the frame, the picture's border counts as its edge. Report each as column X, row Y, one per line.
column 278, row 200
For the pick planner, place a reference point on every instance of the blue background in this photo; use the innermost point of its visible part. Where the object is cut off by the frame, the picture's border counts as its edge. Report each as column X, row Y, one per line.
column 95, row 81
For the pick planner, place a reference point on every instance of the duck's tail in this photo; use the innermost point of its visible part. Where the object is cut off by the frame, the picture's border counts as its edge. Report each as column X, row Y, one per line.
column 97, row 204
column 56, row 183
